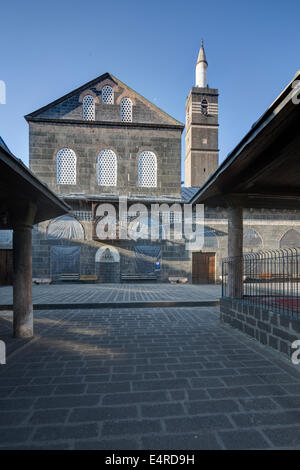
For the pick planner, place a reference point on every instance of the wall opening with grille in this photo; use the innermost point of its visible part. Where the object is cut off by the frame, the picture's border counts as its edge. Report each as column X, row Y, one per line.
column 107, row 95
column 107, row 168
column 126, row 110
column 88, row 108
column 147, row 170
column 66, row 166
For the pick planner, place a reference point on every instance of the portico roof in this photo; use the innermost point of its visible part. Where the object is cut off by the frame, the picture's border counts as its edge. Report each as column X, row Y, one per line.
column 19, row 187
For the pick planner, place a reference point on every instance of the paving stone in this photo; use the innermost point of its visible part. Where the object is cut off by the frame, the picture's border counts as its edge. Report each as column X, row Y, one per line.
column 134, row 397
column 67, row 401
column 266, row 390
column 197, row 423
column 15, row 435
column 108, row 387
column 284, row 436
column 131, row 427
column 242, row 440
column 253, row 404
column 166, row 409
column 212, row 406
column 103, row 413
column 227, row 392
column 160, row 384
column 70, row 389
column 53, row 433
column 48, row 416
column 11, row 418
column 291, row 401
column 112, row 444
column 267, row 419
column 193, row 441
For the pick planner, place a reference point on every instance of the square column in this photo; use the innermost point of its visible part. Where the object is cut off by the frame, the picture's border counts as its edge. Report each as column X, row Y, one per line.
column 235, row 252
column 22, row 290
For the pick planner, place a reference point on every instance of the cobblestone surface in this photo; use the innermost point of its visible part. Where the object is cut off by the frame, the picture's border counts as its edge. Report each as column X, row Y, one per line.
column 146, row 379
column 103, row 293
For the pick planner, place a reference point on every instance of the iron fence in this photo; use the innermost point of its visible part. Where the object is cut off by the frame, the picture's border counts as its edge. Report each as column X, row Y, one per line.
column 270, row 279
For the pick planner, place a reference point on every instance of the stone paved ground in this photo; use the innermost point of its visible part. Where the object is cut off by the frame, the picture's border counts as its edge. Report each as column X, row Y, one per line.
column 146, row 379
column 96, row 293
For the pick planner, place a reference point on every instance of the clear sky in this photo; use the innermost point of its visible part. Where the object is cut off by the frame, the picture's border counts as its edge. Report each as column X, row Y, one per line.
column 48, row 48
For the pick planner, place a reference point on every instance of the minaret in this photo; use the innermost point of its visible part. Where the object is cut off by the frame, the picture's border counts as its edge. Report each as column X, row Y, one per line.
column 201, row 138
column 201, row 68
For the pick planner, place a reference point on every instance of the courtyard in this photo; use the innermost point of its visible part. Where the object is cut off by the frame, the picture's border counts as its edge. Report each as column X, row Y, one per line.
column 151, row 378
column 69, row 294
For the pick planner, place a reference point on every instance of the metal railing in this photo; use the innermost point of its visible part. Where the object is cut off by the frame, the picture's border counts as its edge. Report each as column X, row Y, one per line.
column 270, row 279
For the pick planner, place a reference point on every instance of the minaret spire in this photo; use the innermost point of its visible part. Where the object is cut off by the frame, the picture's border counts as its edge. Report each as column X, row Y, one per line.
column 201, row 68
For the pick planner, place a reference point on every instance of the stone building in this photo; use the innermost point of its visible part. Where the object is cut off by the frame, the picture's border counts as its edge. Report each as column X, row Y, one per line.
column 104, row 141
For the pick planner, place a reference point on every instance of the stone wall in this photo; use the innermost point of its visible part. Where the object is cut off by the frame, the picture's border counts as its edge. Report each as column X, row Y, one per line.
column 88, row 139
column 267, row 327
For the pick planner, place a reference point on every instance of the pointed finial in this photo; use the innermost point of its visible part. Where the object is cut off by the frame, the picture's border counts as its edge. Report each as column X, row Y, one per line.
column 201, row 55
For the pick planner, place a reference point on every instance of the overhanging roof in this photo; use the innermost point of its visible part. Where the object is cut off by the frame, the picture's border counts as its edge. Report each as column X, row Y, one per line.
column 19, row 186
column 263, row 170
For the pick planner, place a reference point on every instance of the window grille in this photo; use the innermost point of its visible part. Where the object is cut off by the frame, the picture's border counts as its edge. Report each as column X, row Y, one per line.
column 107, row 95
column 107, row 168
column 88, row 106
column 126, row 110
column 147, row 170
column 66, row 166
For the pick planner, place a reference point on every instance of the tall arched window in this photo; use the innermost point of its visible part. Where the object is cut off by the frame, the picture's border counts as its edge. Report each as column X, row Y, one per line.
column 126, row 110
column 291, row 239
column 147, row 170
column 107, row 95
column 88, row 108
column 107, row 168
column 252, row 239
column 66, row 166
column 204, row 107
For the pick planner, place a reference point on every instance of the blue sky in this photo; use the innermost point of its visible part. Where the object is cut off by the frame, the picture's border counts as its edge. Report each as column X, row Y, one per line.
column 48, row 48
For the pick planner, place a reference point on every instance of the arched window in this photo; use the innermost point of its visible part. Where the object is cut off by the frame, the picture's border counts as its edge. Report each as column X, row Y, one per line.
column 252, row 239
column 147, row 170
column 107, row 168
column 66, row 166
column 291, row 239
column 88, row 108
column 107, row 254
column 126, row 110
column 107, row 95
column 204, row 107
column 65, row 227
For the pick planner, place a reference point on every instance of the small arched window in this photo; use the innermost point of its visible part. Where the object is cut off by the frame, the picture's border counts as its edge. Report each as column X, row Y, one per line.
column 88, row 108
column 107, row 95
column 66, row 166
column 204, row 107
column 107, row 168
column 126, row 110
column 147, row 170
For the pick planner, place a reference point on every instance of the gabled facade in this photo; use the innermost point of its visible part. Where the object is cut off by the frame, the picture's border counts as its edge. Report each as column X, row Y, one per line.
column 105, row 138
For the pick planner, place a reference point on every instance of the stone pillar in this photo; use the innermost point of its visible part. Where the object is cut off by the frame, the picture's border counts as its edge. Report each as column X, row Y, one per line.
column 235, row 252
column 22, row 292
